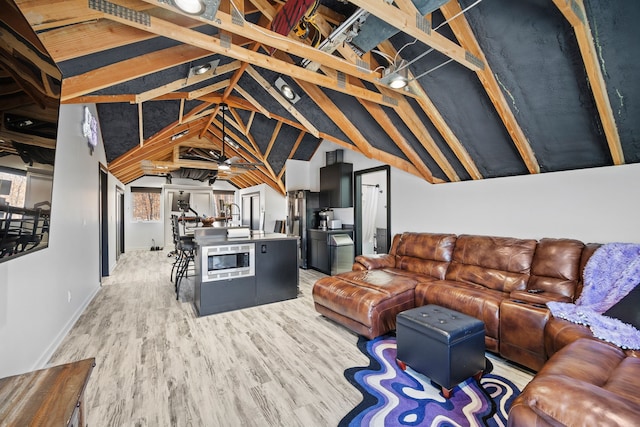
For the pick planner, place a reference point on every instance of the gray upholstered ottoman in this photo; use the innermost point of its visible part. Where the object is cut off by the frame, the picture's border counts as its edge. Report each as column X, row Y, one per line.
column 443, row 344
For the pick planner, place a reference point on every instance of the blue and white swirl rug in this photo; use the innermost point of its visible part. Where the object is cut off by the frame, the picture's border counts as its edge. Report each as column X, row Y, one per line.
column 392, row 397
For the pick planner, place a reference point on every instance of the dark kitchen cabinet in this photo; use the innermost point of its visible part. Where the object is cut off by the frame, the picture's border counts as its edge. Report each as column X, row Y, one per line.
column 336, row 185
column 320, row 248
column 277, row 270
column 319, row 251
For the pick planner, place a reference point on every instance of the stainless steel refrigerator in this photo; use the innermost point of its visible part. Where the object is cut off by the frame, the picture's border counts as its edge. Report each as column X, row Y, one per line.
column 302, row 208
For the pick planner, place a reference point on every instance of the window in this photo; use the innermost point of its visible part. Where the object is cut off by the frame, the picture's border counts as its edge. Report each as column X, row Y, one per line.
column 145, row 204
column 13, row 187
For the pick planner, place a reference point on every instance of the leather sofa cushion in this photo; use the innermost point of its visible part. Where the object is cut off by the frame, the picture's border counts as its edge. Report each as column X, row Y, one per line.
column 470, row 299
column 353, row 294
column 499, row 263
column 366, row 301
column 374, row 261
column 425, row 253
column 555, row 266
column 587, row 383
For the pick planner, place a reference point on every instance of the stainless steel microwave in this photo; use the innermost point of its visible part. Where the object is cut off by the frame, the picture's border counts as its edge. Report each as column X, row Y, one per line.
column 228, row 261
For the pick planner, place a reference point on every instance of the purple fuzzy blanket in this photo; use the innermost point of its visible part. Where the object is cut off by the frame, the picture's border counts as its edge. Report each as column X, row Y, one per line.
column 610, row 274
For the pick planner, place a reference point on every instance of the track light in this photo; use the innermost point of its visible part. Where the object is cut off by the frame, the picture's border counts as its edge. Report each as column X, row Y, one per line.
column 396, row 75
column 201, row 69
column 286, row 90
column 192, row 7
column 204, row 8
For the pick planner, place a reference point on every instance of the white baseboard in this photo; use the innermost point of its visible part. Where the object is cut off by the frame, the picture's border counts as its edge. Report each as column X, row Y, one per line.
column 55, row 343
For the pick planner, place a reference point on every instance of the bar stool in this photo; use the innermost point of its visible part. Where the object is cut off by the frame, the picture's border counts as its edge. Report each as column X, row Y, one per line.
column 185, row 255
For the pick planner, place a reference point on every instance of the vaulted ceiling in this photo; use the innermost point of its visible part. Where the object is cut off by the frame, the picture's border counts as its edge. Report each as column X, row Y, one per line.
column 495, row 87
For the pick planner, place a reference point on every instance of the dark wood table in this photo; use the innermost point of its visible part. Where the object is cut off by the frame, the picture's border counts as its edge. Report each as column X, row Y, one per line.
column 48, row 397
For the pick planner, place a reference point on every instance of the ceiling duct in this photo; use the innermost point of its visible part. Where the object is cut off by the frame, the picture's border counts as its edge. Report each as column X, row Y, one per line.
column 375, row 31
column 345, row 32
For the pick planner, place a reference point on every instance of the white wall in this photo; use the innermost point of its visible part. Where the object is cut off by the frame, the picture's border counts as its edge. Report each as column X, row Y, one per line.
column 593, row 205
column 35, row 313
column 297, row 174
column 272, row 203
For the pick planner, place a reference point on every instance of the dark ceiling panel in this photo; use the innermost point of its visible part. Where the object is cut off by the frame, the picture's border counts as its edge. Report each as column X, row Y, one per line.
column 119, row 128
column 87, row 63
column 245, row 115
column 419, row 147
column 533, row 52
column 265, row 99
column 319, row 119
column 158, row 115
column 307, row 147
column 261, row 130
column 617, row 33
column 459, row 96
column 440, row 142
column 372, row 132
column 282, row 147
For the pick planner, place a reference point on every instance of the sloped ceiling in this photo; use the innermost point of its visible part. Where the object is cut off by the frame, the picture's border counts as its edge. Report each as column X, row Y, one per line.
column 496, row 87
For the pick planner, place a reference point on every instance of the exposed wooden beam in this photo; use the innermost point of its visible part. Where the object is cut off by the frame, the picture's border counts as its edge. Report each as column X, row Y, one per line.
column 130, row 69
column 176, row 85
column 194, row 94
column 274, row 136
column 292, row 152
column 383, row 120
column 266, row 8
column 224, row 21
column 429, row 108
column 575, row 13
column 86, row 38
column 44, row 15
column 406, row 23
column 194, row 38
column 406, row 113
column 275, row 93
column 465, row 36
column 253, row 101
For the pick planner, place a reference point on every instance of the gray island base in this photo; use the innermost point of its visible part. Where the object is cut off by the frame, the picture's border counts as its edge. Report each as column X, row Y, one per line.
column 235, row 273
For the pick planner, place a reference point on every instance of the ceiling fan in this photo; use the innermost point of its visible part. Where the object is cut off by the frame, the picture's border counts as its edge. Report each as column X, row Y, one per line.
column 224, row 163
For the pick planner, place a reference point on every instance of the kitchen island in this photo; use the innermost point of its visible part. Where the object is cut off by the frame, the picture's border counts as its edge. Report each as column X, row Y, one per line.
column 240, row 272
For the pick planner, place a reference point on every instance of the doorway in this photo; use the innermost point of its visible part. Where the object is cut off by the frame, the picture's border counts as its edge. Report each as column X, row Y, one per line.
column 251, row 211
column 372, row 199
column 119, row 222
column 104, row 223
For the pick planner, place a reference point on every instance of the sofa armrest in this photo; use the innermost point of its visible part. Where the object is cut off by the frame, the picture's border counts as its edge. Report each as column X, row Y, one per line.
column 371, row 262
column 561, row 400
column 540, row 298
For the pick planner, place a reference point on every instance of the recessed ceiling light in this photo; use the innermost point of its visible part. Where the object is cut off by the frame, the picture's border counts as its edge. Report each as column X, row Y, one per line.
column 193, row 7
column 398, row 82
column 286, row 90
column 396, row 75
column 201, row 69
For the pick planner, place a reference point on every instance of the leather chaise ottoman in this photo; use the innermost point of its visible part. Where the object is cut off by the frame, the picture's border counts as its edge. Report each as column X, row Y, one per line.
column 443, row 344
column 366, row 302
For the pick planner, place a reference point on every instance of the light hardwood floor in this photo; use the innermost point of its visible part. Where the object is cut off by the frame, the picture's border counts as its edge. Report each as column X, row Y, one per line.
column 158, row 364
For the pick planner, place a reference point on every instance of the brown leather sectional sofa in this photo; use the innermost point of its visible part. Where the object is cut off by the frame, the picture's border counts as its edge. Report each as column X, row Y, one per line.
column 505, row 282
